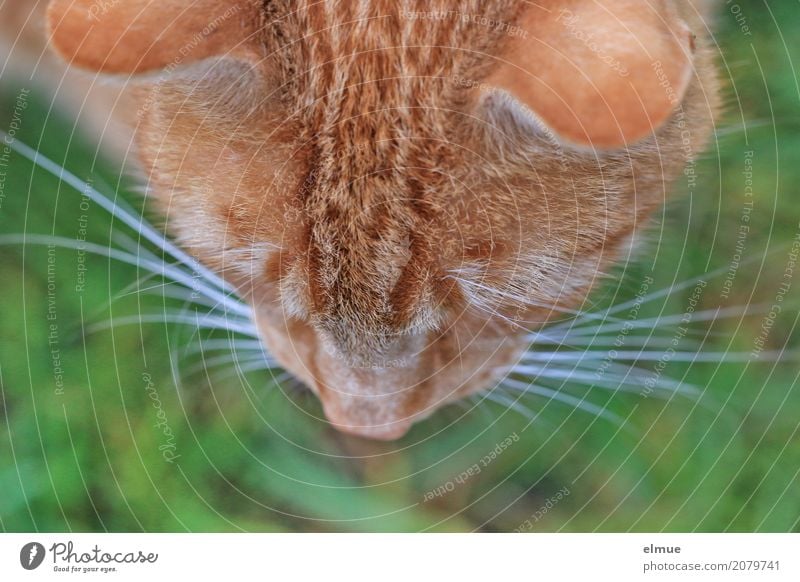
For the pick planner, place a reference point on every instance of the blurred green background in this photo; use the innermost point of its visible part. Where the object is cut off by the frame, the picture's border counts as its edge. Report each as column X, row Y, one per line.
column 250, row 454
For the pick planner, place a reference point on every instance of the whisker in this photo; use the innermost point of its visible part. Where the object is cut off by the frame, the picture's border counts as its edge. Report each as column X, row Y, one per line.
column 736, row 128
column 649, row 297
column 207, row 364
column 207, row 322
column 161, row 269
column 136, row 249
column 657, row 381
column 228, row 344
column 576, row 403
column 498, row 397
column 581, row 341
column 521, row 299
column 135, row 288
column 256, row 366
column 189, row 296
column 608, row 382
column 282, row 377
column 114, row 208
column 641, row 355
column 656, row 322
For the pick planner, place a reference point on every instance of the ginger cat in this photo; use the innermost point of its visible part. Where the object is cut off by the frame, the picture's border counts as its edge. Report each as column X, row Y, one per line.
column 401, row 190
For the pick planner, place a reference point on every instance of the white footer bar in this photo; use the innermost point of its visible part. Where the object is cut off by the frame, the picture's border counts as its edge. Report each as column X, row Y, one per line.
column 401, row 557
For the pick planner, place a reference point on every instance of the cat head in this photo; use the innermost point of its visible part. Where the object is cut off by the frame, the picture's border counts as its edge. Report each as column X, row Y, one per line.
column 402, row 190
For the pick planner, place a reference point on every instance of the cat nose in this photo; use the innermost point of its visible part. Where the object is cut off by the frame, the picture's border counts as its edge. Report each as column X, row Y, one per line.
column 361, row 420
column 389, row 432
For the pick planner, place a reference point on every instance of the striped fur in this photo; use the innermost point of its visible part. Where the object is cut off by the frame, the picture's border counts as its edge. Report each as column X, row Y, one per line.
column 395, row 224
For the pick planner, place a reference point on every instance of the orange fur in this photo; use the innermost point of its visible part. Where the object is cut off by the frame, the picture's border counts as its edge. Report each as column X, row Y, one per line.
column 394, row 220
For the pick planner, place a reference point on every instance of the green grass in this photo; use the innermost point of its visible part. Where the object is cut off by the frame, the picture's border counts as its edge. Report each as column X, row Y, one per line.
column 252, row 456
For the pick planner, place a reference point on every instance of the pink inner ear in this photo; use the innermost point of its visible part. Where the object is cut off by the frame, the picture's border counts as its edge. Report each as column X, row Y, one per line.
column 601, row 73
column 137, row 36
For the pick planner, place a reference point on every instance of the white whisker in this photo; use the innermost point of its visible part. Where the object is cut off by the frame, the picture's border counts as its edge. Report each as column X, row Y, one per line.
column 206, row 322
column 157, row 268
column 114, row 208
column 608, row 382
column 598, row 341
column 522, row 300
column 207, row 364
column 641, row 355
column 233, row 344
column 577, row 403
column 660, row 321
column 497, row 396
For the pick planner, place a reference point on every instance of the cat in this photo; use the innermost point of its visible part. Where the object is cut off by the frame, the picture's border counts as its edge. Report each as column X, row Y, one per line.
column 403, row 190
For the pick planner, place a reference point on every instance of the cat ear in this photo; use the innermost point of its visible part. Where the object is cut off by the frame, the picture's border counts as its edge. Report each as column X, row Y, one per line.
column 139, row 36
column 598, row 73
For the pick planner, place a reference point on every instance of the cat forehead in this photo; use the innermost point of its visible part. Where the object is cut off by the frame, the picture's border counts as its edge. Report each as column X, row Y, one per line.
column 396, row 51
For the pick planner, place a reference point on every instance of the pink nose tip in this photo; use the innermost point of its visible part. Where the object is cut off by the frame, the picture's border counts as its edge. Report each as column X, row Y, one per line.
column 382, row 432
column 378, row 433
